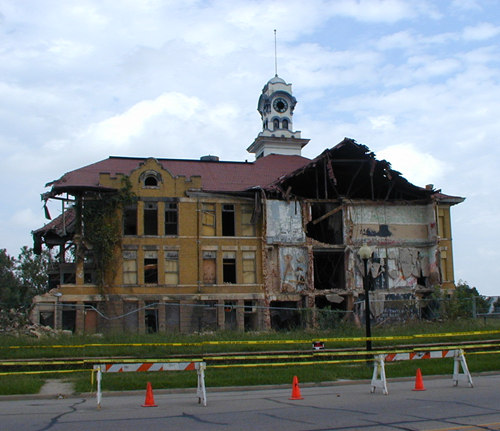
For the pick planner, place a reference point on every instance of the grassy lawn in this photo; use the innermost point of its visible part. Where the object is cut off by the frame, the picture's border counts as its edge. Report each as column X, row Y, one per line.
column 158, row 346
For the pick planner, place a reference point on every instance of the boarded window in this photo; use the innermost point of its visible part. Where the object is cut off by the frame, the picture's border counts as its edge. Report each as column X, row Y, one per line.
column 208, row 219
column 151, row 267
column 130, row 220
column 228, row 220
column 129, row 267
column 229, row 267
column 171, row 218
column 150, row 218
column 209, row 267
column 171, row 267
column 249, row 273
column 247, row 227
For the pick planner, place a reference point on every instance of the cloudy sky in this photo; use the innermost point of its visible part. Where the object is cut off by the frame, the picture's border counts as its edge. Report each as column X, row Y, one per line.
column 416, row 81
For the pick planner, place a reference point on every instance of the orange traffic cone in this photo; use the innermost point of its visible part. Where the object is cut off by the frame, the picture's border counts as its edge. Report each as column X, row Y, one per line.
column 419, row 383
column 150, row 400
column 295, row 390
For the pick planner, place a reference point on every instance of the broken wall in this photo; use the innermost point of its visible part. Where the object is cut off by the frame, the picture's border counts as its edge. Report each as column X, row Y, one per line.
column 404, row 243
column 284, row 222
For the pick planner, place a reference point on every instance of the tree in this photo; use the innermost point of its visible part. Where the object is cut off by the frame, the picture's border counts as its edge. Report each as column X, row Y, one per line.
column 9, row 284
column 31, row 272
column 462, row 303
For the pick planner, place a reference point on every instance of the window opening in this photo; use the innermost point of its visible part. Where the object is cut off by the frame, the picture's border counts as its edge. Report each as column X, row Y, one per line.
column 285, row 124
column 284, row 315
column 151, row 268
column 276, row 124
column 228, row 220
column 208, row 219
column 229, row 267
column 171, row 218
column 129, row 267
column 249, row 267
column 130, row 220
column 230, row 315
column 151, row 181
column 209, row 267
column 171, row 267
column 247, row 227
column 150, row 218
column 326, row 223
column 328, row 270
column 69, row 317
column 151, row 320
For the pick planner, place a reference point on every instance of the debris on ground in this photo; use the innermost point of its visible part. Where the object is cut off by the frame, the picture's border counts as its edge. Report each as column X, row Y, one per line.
column 16, row 323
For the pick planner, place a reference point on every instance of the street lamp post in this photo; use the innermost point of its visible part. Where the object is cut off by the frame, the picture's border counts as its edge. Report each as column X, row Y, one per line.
column 365, row 253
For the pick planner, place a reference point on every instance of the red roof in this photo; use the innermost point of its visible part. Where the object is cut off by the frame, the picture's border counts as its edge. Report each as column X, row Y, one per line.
column 215, row 175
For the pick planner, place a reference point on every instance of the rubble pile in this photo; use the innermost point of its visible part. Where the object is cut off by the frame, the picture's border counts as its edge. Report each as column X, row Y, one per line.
column 16, row 323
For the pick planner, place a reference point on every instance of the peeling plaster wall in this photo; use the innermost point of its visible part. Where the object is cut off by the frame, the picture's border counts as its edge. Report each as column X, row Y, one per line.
column 284, row 222
column 403, row 237
column 293, row 269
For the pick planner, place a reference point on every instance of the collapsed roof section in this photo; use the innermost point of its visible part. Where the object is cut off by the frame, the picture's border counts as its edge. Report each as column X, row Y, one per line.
column 348, row 171
column 57, row 232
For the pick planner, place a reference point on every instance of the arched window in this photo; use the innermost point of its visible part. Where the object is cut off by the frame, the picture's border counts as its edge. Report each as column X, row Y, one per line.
column 285, row 124
column 276, row 124
column 151, row 181
column 150, row 178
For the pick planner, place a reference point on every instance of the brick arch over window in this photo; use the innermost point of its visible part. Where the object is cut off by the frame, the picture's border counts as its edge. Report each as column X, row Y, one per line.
column 150, row 179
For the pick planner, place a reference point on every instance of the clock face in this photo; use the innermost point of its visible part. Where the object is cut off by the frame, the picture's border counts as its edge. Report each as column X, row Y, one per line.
column 280, row 105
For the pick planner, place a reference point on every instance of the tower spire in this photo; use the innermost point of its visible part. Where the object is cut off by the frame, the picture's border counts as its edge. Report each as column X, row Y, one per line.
column 275, row 55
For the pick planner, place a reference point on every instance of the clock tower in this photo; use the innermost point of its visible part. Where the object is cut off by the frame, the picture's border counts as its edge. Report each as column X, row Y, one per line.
column 276, row 105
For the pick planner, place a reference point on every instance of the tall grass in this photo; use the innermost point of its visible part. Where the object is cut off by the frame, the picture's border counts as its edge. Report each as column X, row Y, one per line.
column 197, row 345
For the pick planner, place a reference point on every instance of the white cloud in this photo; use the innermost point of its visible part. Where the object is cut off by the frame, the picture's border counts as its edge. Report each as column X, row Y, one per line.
column 119, row 129
column 416, row 166
column 382, row 122
column 481, row 31
column 388, row 11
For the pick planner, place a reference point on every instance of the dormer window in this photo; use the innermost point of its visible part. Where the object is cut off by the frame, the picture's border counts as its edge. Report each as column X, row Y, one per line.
column 150, row 179
column 151, row 182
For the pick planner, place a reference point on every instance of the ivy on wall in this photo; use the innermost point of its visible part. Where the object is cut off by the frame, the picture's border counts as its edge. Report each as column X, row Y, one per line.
column 102, row 229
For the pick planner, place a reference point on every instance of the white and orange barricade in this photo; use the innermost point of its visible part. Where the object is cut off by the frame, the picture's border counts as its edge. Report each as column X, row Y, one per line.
column 154, row 366
column 379, row 377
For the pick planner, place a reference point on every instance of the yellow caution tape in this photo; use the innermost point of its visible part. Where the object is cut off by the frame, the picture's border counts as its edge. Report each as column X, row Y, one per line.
column 257, row 342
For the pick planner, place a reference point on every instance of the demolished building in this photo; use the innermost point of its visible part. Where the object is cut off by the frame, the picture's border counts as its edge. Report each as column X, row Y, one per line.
column 207, row 244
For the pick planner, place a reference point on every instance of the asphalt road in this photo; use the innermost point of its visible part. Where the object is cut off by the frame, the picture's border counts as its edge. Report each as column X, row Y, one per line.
column 341, row 407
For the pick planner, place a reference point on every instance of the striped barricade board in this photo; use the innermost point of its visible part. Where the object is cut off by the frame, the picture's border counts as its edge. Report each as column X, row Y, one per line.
column 154, row 366
column 379, row 377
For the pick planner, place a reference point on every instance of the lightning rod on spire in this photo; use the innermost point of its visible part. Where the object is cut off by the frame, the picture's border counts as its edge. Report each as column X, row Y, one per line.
column 275, row 55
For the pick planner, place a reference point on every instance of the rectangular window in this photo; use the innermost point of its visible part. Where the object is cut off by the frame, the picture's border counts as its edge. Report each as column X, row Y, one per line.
column 150, row 218
column 249, row 273
column 208, row 219
column 228, row 220
column 171, row 267
column 151, row 267
column 247, row 227
column 229, row 267
column 209, row 267
column 129, row 267
column 130, row 220
column 171, row 218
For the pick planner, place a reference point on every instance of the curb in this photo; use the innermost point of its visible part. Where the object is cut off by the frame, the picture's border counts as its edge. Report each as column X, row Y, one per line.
column 225, row 388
